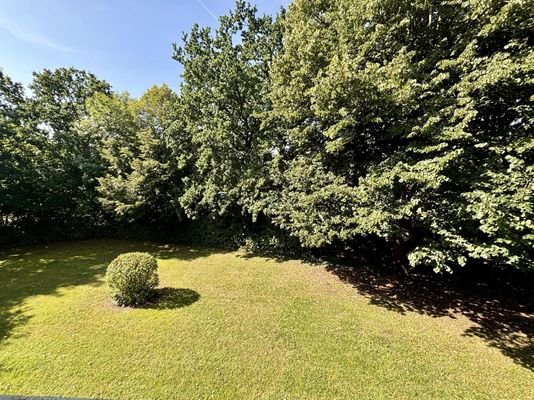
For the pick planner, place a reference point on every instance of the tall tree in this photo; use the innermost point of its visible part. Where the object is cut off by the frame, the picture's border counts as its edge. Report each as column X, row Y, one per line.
column 59, row 98
column 225, row 89
column 143, row 180
column 43, row 173
column 58, row 101
column 402, row 120
column 28, row 166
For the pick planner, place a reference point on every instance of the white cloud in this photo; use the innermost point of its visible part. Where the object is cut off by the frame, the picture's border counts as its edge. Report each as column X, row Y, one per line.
column 26, row 35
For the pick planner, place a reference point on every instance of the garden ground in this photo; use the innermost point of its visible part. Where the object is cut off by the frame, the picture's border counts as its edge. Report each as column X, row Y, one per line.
column 229, row 326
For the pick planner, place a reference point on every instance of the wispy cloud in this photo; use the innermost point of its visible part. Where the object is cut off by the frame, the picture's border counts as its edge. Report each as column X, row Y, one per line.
column 205, row 7
column 27, row 35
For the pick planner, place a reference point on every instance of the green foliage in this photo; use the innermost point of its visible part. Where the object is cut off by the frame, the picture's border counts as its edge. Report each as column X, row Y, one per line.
column 58, row 102
column 224, row 91
column 132, row 278
column 411, row 121
column 142, row 180
column 45, row 176
column 59, row 98
column 271, row 241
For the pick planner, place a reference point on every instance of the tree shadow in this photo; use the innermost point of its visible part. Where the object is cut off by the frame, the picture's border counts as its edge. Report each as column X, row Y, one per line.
column 169, row 298
column 44, row 270
column 26, row 273
column 500, row 306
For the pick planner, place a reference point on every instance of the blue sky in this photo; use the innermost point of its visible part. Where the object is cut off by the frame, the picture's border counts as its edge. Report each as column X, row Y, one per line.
column 126, row 42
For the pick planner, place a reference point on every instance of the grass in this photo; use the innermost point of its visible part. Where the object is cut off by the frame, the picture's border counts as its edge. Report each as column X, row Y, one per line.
column 229, row 327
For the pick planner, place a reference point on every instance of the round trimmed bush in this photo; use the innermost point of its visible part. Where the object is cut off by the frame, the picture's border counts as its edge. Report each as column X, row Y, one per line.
column 132, row 278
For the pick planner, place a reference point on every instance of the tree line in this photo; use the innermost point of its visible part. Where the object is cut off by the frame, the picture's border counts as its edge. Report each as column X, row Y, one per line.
column 408, row 123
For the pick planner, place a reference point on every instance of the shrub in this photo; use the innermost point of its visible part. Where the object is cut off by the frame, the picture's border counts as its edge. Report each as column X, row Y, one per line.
column 132, row 278
column 272, row 242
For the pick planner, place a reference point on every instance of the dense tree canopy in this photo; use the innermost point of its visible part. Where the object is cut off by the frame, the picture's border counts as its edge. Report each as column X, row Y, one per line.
column 225, row 90
column 408, row 120
column 405, row 122
column 143, row 181
column 44, row 175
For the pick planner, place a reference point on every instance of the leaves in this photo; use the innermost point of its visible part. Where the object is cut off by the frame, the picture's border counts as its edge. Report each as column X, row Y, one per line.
column 410, row 122
column 224, row 93
column 403, row 120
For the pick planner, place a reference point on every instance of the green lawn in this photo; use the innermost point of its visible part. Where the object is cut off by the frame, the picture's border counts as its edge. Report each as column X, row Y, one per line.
column 230, row 327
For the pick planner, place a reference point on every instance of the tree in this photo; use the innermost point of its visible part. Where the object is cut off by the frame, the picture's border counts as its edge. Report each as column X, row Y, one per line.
column 58, row 101
column 59, row 98
column 225, row 90
column 408, row 122
column 142, row 180
column 27, row 162
column 401, row 120
column 11, row 155
column 44, row 177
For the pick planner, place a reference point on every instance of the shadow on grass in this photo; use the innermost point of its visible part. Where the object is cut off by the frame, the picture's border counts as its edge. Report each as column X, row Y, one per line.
column 501, row 306
column 43, row 270
column 170, row 298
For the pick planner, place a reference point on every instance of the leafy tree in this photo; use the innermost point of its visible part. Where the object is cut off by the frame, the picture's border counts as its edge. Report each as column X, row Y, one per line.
column 59, row 98
column 44, row 175
column 402, row 120
column 405, row 121
column 58, row 102
column 225, row 89
column 27, row 165
column 11, row 156
column 157, row 170
column 142, row 180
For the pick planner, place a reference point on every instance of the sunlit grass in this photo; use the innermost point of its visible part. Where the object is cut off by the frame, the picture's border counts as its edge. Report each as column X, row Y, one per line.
column 231, row 327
